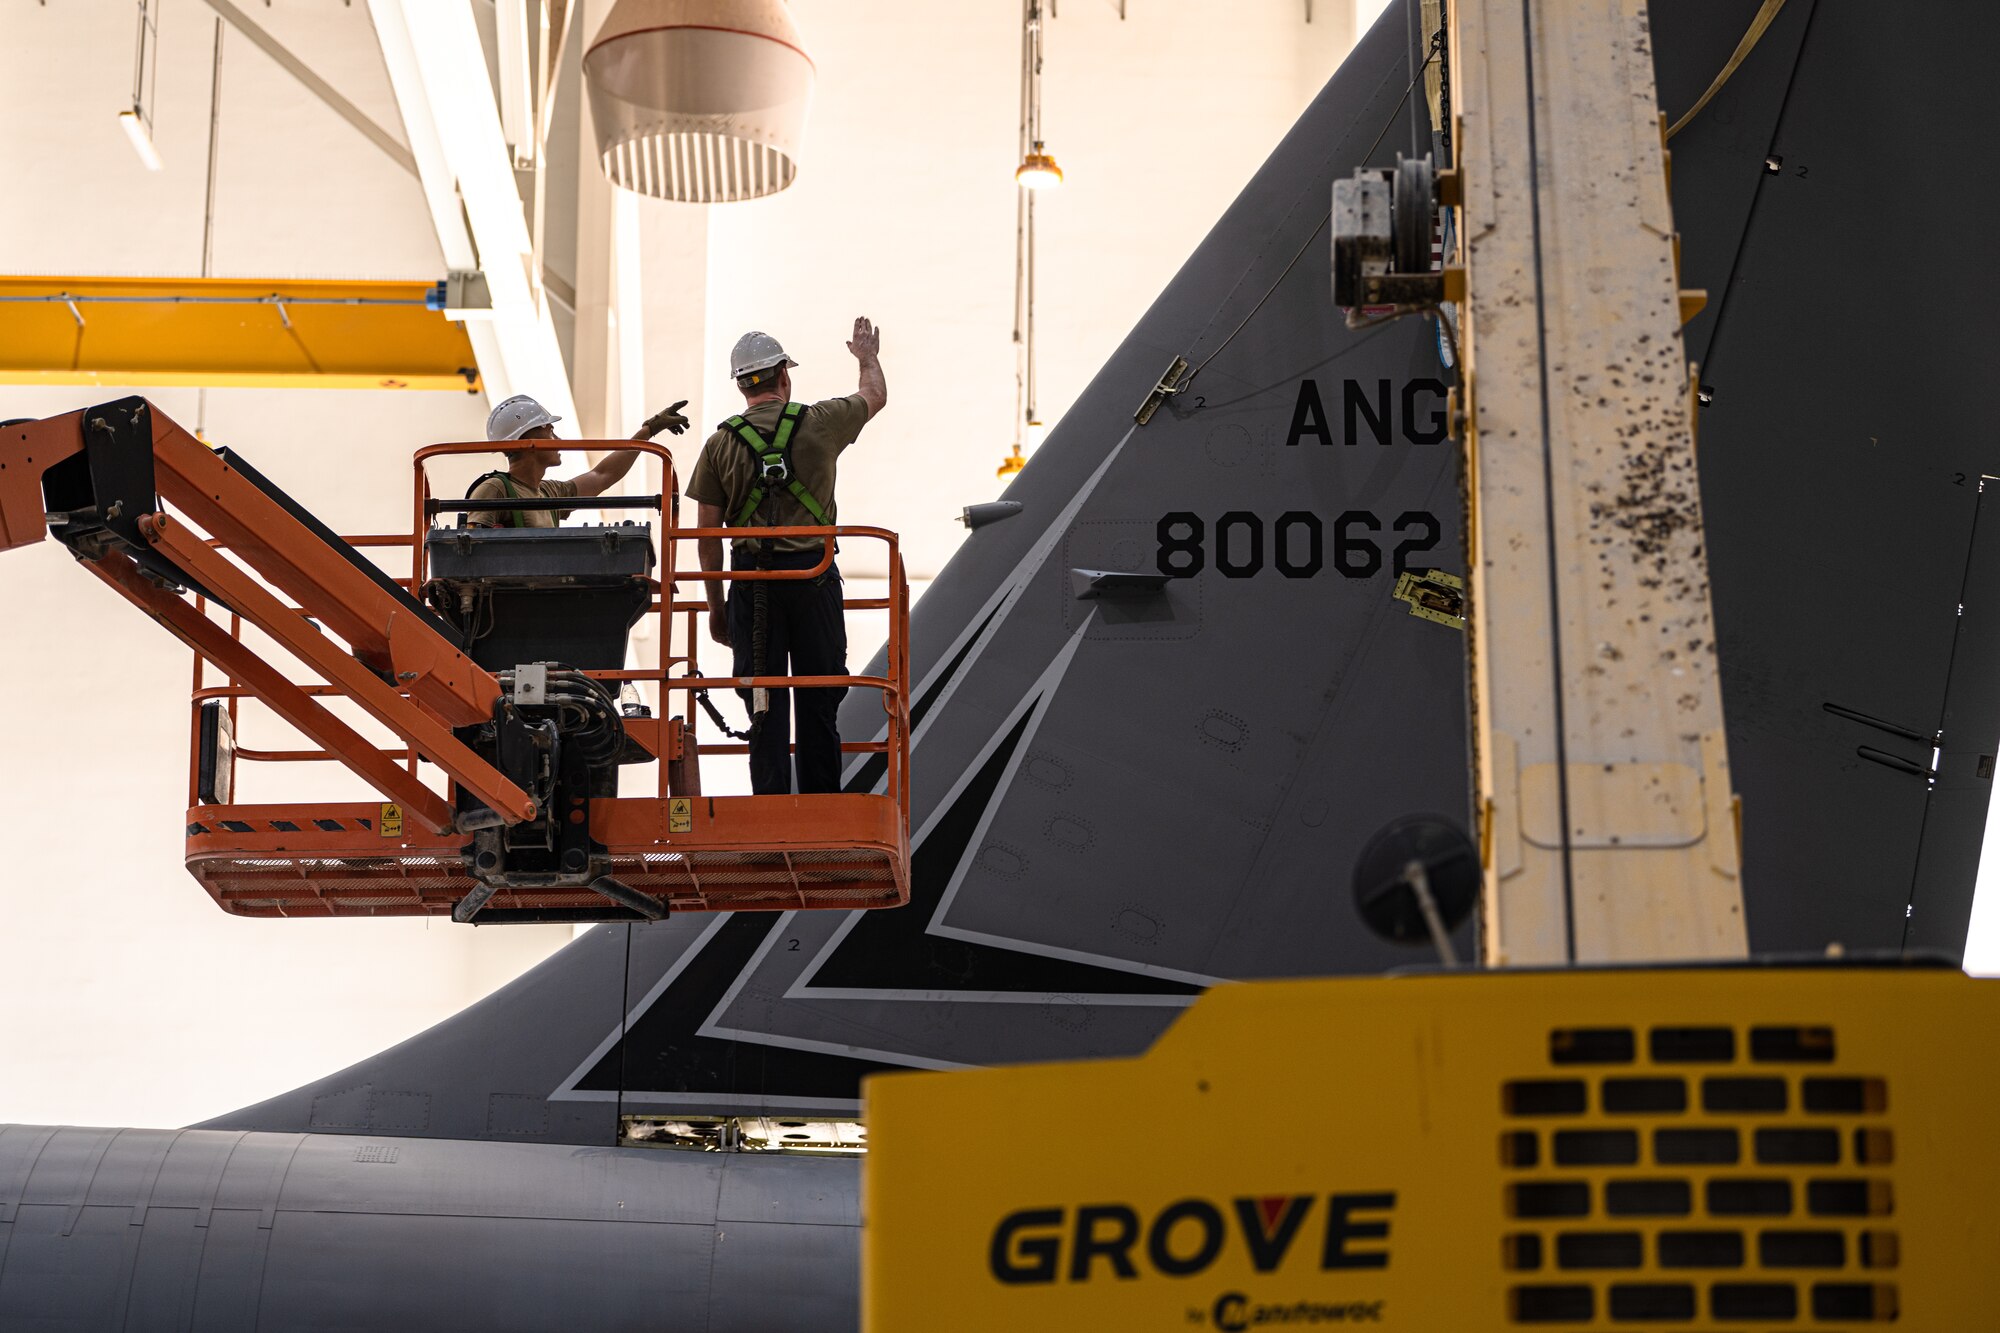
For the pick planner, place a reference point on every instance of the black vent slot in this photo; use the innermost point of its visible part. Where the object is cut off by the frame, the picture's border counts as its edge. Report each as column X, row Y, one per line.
column 1802, row 1249
column 1701, row 1249
column 1750, row 1198
column 1844, row 1095
column 1521, row 1252
column 1600, row 1249
column 1652, row 1300
column 1753, row 1300
column 1813, row 1146
column 1648, row 1198
column 1879, row 1249
column 1792, row 1045
column 1592, row 1046
column 1874, row 1147
column 1565, row 1199
column 1848, row 1198
column 1554, row 1305
column 1743, row 1094
column 1642, row 1096
column 1692, row 1045
column 1596, row 1147
column 1853, row 1300
column 1520, row 1147
column 1696, row 1147
column 1544, row 1096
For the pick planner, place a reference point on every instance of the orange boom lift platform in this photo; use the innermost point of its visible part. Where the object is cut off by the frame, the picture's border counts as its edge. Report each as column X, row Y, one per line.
column 499, row 664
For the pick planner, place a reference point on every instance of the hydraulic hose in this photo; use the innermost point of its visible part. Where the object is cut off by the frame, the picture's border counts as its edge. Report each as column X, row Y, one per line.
column 586, row 715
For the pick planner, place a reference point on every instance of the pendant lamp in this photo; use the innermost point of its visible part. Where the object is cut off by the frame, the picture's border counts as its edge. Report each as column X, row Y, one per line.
column 699, row 101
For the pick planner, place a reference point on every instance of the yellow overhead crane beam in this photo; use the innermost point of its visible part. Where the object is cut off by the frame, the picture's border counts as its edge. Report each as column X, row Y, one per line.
column 257, row 333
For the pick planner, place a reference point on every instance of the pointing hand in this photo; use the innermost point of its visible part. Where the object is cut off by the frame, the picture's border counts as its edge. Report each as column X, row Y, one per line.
column 669, row 419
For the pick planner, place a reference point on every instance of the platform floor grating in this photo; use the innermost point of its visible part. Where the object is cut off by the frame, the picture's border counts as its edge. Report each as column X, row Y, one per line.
column 418, row 885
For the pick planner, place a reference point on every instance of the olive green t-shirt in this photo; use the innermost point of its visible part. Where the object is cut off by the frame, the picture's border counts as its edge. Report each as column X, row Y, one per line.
column 495, row 488
column 727, row 469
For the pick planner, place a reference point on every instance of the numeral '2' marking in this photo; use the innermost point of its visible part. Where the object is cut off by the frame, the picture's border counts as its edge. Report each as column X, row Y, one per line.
column 1411, row 546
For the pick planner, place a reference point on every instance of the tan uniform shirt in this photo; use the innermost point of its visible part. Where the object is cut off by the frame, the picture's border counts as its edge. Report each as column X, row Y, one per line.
column 494, row 488
column 727, row 469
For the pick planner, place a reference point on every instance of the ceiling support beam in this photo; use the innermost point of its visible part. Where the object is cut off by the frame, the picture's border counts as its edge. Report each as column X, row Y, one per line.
column 437, row 68
column 517, row 80
column 314, row 84
column 610, row 328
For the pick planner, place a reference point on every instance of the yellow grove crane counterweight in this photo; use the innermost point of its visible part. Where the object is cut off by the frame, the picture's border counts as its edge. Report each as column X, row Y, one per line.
column 1601, row 1149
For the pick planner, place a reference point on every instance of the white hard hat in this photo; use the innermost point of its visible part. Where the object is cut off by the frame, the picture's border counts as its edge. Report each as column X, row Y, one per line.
column 516, row 417
column 754, row 352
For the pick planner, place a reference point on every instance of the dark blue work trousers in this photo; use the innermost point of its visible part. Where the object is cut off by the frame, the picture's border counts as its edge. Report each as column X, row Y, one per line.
column 805, row 634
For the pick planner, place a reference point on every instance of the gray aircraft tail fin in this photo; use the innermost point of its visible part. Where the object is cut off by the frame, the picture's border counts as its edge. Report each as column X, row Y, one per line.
column 1162, row 709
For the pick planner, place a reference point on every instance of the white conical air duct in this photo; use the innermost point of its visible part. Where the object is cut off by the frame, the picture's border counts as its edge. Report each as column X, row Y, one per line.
column 702, row 101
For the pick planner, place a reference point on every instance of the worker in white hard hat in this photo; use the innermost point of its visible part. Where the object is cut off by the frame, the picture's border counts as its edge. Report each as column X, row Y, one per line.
column 773, row 466
column 522, row 418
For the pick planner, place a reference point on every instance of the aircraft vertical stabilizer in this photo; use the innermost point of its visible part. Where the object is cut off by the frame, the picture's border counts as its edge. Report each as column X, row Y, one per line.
column 1161, row 710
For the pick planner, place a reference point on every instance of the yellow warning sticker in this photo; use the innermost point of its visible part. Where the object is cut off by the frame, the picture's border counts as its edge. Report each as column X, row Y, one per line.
column 680, row 814
column 392, row 820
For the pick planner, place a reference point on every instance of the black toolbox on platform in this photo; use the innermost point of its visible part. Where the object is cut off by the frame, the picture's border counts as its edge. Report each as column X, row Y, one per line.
column 517, row 595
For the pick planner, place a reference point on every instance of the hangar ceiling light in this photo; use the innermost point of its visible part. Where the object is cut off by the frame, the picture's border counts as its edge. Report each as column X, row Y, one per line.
column 700, row 101
column 135, row 129
column 137, row 120
column 1038, row 170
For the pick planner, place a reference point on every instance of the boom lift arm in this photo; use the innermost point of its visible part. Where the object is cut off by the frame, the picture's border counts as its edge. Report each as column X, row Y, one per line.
column 99, row 479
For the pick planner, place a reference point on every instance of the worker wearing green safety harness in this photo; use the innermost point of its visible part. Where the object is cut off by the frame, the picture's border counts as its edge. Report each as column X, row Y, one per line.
column 511, row 488
column 775, row 465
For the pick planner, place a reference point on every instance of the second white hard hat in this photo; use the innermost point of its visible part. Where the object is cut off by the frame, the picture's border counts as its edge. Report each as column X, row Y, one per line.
column 515, row 417
column 756, row 351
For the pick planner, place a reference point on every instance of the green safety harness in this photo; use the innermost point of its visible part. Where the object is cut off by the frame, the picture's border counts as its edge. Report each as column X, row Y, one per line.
column 774, row 465
column 507, row 482
column 773, row 471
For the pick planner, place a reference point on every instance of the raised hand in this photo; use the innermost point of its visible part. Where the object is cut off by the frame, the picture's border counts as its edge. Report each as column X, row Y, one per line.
column 867, row 341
